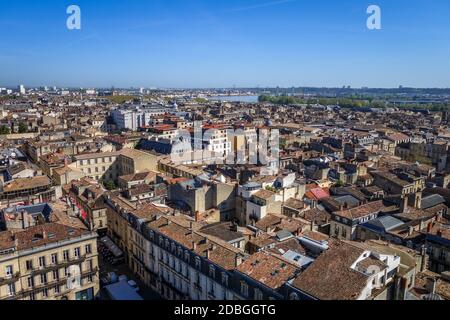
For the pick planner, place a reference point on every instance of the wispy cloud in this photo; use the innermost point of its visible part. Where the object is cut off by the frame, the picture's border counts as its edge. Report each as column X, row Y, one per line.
column 261, row 5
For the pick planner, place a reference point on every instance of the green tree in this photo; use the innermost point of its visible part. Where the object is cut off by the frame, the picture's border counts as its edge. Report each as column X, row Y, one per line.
column 4, row 129
column 110, row 185
column 340, row 183
column 23, row 128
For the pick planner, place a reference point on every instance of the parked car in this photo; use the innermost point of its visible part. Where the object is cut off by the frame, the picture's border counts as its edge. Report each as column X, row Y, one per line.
column 134, row 285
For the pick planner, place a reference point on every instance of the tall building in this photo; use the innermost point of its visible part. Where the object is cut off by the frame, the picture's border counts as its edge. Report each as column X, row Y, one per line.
column 22, row 89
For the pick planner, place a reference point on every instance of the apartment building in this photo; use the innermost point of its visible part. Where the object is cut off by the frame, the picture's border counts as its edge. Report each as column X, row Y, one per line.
column 137, row 118
column 111, row 165
column 344, row 223
column 87, row 199
column 215, row 139
column 438, row 244
column 29, row 190
column 261, row 203
column 348, row 271
column 97, row 165
column 48, row 262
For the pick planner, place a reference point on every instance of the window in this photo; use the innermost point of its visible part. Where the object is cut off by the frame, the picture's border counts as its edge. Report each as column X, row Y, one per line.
column 198, row 263
column 258, row 294
column 90, row 279
column 212, row 272
column 44, row 278
column 66, row 255
column 55, row 275
column 224, row 279
column 293, row 296
column 32, row 296
column 88, row 249
column 29, row 265
column 30, row 282
column 66, row 272
column 45, row 293
column 76, row 252
column 90, row 265
column 11, row 289
column 55, row 258
column 244, row 289
column 57, row 289
column 42, row 262
column 9, row 271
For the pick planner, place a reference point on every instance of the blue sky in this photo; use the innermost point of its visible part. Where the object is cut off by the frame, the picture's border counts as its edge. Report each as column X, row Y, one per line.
column 225, row 43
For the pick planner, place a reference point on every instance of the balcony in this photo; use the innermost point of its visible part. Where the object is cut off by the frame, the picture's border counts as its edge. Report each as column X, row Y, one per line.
column 48, row 285
column 11, row 279
column 58, row 265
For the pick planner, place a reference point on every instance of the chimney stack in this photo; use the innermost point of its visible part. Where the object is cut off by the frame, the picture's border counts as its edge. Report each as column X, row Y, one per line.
column 431, row 285
column 404, row 205
column 237, row 260
column 197, row 216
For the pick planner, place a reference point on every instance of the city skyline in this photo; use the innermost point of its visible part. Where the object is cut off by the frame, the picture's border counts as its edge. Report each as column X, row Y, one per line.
column 242, row 44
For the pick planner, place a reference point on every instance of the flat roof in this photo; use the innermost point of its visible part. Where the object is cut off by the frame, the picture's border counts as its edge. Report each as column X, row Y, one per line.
column 122, row 291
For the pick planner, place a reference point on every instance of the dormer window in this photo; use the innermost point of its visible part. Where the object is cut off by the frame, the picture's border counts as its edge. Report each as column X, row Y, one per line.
column 198, row 263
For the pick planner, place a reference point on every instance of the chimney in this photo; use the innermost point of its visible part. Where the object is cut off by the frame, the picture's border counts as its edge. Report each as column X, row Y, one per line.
column 197, row 216
column 44, row 234
column 404, row 205
column 313, row 224
column 429, row 227
column 431, row 285
column 422, row 225
column 410, row 231
column 237, row 260
column 194, row 245
column 423, row 262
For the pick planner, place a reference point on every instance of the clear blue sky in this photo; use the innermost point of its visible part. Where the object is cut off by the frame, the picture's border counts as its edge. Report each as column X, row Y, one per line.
column 221, row 43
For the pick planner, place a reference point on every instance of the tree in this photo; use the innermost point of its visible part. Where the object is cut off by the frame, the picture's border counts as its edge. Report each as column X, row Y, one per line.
column 23, row 128
column 4, row 129
column 110, row 185
column 340, row 183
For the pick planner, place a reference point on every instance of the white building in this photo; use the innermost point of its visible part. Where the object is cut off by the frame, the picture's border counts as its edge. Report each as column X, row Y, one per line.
column 136, row 118
column 22, row 89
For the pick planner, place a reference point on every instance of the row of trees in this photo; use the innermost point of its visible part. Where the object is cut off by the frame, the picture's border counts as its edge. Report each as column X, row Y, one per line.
column 351, row 102
column 4, row 129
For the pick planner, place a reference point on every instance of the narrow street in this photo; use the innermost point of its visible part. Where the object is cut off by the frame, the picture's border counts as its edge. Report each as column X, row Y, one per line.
column 122, row 269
